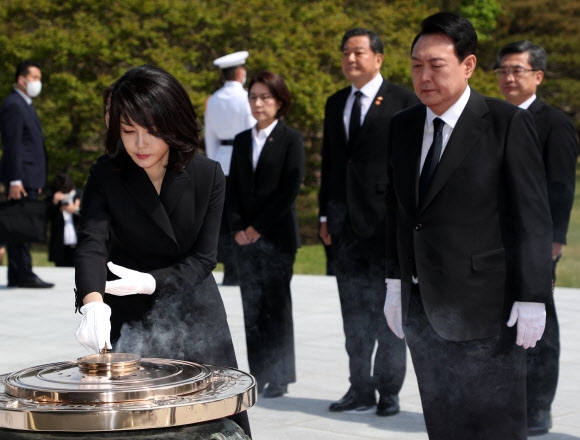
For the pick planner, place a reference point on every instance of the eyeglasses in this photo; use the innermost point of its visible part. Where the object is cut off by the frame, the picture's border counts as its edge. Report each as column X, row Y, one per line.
column 263, row 98
column 516, row 71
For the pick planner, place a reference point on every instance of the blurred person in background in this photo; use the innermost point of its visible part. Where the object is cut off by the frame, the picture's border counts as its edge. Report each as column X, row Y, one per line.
column 23, row 167
column 227, row 113
column 521, row 67
column 63, row 213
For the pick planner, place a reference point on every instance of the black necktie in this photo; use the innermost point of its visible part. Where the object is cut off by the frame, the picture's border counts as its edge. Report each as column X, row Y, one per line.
column 431, row 160
column 354, row 123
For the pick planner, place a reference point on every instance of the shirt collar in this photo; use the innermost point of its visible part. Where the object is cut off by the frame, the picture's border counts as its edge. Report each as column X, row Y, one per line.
column 526, row 104
column 27, row 98
column 451, row 116
column 264, row 133
column 371, row 88
column 233, row 84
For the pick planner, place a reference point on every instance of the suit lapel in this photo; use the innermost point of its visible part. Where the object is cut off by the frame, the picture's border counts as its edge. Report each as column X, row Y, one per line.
column 536, row 106
column 341, row 103
column 174, row 186
column 140, row 187
column 410, row 153
column 270, row 147
column 471, row 125
column 377, row 105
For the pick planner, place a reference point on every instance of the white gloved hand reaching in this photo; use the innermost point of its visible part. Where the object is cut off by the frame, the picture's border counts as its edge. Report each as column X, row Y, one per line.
column 130, row 281
column 393, row 308
column 94, row 332
column 531, row 319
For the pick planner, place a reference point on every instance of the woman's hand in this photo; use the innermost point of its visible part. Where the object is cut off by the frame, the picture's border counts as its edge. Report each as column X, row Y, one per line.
column 252, row 235
column 130, row 281
column 246, row 237
column 94, row 332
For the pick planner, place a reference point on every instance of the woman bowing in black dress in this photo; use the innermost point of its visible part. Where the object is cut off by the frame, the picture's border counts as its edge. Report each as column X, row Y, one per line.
column 265, row 177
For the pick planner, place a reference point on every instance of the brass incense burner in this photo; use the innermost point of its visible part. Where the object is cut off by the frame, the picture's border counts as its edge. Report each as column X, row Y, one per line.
column 121, row 391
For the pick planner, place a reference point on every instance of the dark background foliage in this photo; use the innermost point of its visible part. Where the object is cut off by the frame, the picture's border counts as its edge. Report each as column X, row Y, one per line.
column 83, row 46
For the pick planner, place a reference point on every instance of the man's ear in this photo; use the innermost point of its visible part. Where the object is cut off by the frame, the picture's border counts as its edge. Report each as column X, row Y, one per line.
column 469, row 63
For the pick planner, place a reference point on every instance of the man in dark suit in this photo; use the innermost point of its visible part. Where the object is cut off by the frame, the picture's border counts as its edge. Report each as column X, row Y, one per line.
column 23, row 165
column 468, row 205
column 352, row 214
column 521, row 67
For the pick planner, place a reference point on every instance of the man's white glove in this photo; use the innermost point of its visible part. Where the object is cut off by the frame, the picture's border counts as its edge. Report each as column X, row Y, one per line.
column 130, row 281
column 393, row 308
column 94, row 331
column 531, row 319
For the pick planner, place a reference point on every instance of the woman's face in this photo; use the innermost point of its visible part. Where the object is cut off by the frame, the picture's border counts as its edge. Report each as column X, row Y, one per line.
column 147, row 151
column 264, row 106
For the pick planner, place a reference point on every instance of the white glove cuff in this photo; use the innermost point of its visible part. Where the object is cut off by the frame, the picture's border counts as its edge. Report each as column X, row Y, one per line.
column 97, row 307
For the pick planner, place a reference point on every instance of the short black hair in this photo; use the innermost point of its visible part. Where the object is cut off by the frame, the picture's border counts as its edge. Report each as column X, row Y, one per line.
column 154, row 99
column 107, row 97
column 538, row 58
column 229, row 73
column 277, row 88
column 23, row 68
column 456, row 27
column 375, row 41
column 63, row 182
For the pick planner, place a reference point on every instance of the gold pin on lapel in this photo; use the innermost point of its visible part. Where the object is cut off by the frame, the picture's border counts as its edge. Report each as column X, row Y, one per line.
column 379, row 100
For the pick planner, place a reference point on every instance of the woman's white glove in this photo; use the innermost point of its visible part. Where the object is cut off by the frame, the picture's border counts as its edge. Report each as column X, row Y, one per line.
column 393, row 309
column 94, row 331
column 531, row 319
column 130, row 281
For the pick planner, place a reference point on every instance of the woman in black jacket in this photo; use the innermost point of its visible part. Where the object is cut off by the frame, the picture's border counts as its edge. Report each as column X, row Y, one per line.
column 151, row 214
column 265, row 177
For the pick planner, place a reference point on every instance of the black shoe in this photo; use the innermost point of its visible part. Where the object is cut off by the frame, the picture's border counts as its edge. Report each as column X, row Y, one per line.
column 388, row 405
column 539, row 422
column 353, row 401
column 34, row 283
column 275, row 390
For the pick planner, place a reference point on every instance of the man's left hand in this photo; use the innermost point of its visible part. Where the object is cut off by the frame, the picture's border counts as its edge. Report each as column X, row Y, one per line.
column 531, row 319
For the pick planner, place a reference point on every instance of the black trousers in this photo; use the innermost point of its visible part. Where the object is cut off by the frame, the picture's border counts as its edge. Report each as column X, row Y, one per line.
column 544, row 361
column 265, row 274
column 469, row 390
column 19, row 259
column 360, row 274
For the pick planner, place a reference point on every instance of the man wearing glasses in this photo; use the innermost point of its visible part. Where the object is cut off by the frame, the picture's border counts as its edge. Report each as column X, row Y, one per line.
column 521, row 68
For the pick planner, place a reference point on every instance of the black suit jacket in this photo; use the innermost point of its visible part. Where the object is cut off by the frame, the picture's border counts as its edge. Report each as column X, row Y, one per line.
column 265, row 198
column 353, row 181
column 24, row 154
column 559, row 143
column 482, row 238
column 172, row 236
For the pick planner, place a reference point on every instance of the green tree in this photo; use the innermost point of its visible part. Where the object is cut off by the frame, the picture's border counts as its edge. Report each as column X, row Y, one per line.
column 84, row 46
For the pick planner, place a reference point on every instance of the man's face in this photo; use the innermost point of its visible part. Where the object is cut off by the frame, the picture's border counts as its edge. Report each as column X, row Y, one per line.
column 517, row 82
column 439, row 79
column 34, row 74
column 359, row 63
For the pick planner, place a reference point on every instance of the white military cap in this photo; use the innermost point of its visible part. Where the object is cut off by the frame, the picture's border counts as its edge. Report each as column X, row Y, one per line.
column 231, row 60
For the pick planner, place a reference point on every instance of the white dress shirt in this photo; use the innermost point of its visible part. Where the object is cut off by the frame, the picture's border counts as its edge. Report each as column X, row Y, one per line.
column 259, row 140
column 369, row 91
